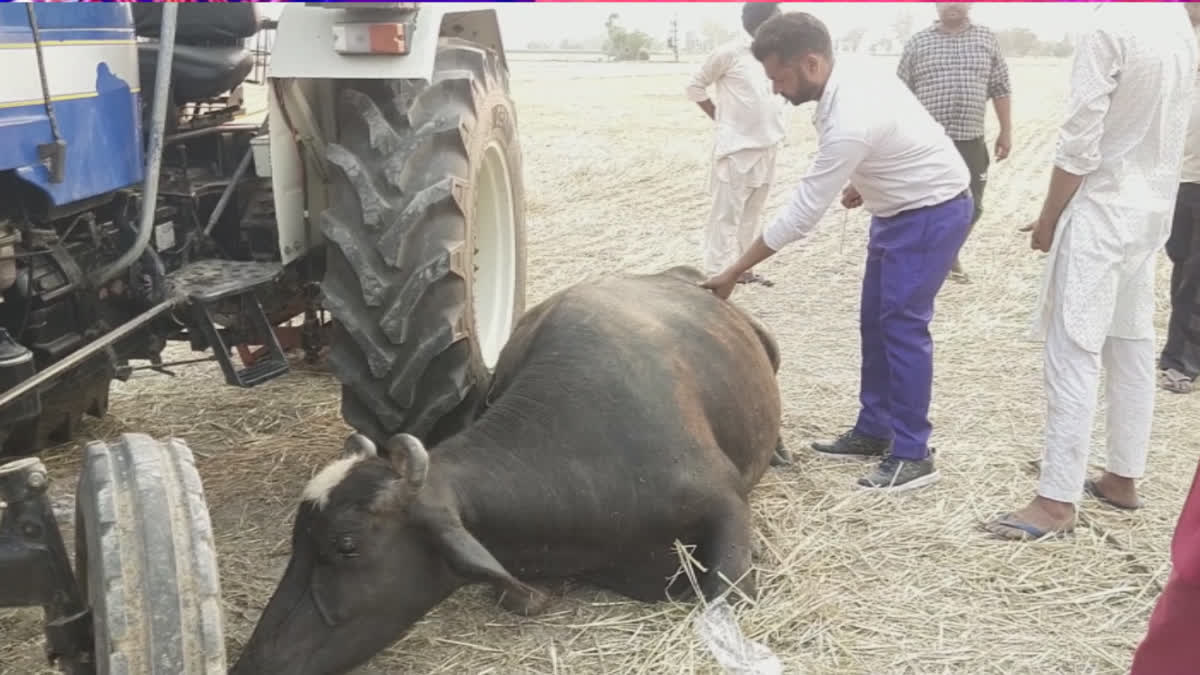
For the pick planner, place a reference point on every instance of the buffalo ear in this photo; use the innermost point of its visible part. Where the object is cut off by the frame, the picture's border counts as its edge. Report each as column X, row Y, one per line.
column 469, row 558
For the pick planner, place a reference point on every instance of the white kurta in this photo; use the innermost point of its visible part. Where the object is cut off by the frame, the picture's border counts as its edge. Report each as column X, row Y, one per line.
column 1190, row 173
column 1124, row 132
column 1126, row 120
column 749, row 130
column 739, row 184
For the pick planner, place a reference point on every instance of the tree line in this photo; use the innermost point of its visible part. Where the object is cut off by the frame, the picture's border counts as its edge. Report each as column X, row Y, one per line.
column 621, row 44
column 1014, row 42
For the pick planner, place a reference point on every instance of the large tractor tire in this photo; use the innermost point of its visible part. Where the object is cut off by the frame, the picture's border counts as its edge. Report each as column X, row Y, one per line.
column 425, row 271
column 146, row 560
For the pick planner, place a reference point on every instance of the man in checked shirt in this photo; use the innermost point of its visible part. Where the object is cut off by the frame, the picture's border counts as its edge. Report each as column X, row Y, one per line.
column 954, row 67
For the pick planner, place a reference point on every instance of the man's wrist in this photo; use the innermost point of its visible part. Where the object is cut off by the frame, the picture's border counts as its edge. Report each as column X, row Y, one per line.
column 737, row 269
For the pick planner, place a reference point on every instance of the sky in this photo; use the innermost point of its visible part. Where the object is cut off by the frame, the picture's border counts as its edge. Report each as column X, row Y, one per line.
column 523, row 23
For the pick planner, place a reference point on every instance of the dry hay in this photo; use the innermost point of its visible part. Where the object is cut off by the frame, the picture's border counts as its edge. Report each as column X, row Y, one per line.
column 850, row 583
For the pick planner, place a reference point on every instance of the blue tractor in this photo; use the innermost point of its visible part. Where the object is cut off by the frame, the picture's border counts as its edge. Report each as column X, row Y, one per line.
column 379, row 202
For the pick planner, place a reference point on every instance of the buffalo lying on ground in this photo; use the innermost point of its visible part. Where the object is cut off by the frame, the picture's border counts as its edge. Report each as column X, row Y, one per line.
column 625, row 413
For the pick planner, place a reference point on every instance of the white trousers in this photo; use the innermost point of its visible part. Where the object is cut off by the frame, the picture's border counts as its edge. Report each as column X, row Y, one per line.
column 739, row 193
column 1072, row 381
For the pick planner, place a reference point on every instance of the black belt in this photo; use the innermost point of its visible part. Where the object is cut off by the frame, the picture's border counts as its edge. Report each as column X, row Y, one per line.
column 964, row 193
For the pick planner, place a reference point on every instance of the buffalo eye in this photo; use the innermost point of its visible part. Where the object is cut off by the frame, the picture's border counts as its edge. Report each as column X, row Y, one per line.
column 346, row 546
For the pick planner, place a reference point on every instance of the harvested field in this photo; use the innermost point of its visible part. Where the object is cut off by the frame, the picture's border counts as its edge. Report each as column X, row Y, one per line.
column 616, row 168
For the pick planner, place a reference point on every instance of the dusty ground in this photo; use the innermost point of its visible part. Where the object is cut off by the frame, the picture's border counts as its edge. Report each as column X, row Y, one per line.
column 615, row 163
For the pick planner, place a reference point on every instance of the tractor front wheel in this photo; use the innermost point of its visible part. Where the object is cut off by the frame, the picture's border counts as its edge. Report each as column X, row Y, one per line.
column 146, row 560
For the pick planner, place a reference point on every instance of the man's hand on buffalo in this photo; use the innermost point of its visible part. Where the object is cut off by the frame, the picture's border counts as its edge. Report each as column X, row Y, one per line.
column 722, row 284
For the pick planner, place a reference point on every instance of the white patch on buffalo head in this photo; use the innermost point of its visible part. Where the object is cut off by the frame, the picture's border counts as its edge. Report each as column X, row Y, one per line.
column 318, row 489
column 356, row 448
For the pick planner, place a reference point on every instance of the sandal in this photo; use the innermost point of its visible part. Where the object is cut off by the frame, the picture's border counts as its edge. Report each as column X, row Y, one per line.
column 752, row 278
column 1176, row 382
column 1008, row 527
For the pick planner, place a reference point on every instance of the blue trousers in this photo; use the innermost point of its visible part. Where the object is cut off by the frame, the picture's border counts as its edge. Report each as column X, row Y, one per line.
column 908, row 258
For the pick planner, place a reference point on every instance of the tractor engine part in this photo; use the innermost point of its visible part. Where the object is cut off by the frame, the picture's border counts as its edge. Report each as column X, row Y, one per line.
column 8, row 258
column 54, row 312
column 16, row 366
column 34, row 565
column 51, row 307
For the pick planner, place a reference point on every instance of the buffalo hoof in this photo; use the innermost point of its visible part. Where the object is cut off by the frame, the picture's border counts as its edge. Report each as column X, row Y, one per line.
column 524, row 603
column 781, row 456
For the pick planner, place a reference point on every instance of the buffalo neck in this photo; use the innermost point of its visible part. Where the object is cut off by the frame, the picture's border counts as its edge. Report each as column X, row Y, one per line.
column 479, row 471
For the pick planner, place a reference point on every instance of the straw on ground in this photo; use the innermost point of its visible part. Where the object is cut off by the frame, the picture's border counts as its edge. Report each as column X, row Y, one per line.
column 616, row 166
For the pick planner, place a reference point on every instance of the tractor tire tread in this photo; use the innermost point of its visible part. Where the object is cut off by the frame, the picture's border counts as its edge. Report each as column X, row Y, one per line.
column 398, row 271
column 148, row 559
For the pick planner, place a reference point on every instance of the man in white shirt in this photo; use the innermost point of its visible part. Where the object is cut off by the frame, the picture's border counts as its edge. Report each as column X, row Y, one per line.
column 1106, row 215
column 900, row 165
column 1180, row 358
column 749, row 128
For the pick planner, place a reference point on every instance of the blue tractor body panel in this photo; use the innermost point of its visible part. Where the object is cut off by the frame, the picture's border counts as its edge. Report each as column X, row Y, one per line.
column 90, row 58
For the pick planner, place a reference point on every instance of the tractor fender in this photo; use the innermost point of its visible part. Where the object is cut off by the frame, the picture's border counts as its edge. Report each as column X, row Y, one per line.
column 304, row 60
column 304, row 42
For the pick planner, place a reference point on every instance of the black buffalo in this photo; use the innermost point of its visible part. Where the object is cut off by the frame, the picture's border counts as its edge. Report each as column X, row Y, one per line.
column 625, row 413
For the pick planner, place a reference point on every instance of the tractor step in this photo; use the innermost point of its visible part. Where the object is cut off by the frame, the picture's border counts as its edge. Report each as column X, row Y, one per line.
column 208, row 282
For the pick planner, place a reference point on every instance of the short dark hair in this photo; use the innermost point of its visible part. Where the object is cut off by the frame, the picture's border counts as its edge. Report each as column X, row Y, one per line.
column 790, row 35
column 754, row 14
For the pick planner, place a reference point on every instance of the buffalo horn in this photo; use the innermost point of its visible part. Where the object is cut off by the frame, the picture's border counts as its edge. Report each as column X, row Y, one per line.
column 357, row 444
column 416, row 458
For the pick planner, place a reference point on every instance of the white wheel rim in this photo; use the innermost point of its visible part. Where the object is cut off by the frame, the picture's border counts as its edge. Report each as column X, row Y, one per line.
column 495, row 283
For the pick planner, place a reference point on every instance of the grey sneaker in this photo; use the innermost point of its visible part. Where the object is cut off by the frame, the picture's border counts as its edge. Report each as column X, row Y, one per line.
column 854, row 444
column 898, row 475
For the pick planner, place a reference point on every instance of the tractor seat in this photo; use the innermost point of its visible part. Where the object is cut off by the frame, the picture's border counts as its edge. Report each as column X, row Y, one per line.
column 200, row 24
column 197, row 73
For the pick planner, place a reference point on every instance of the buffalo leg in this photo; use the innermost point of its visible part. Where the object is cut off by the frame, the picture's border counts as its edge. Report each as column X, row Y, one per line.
column 646, row 580
column 781, row 457
column 729, row 551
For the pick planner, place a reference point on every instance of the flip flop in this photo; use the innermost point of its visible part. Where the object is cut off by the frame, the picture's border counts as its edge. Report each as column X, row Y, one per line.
column 1092, row 490
column 752, row 278
column 1176, row 382
column 1008, row 527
